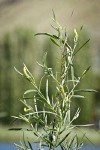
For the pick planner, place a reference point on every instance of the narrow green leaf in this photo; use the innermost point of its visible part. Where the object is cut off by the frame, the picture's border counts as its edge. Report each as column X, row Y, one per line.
column 26, row 98
column 76, row 81
column 54, row 42
column 55, row 28
column 76, row 36
column 81, row 47
column 81, row 27
column 85, row 71
column 47, row 96
column 78, row 96
column 55, row 37
column 72, row 73
column 39, row 64
column 62, row 147
column 41, row 112
column 48, row 34
column 35, row 104
column 63, row 139
column 76, row 114
column 29, row 91
column 27, row 72
column 45, row 59
column 54, row 17
column 18, row 129
column 15, row 117
column 21, row 147
column 15, row 129
column 85, row 90
column 18, row 71
column 30, row 145
column 74, row 143
column 26, row 147
column 85, row 125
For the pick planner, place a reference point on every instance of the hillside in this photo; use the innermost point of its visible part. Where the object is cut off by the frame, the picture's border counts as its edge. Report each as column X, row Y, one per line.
column 37, row 14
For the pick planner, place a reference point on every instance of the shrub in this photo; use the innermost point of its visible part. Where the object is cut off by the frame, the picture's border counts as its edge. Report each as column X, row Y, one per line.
column 56, row 132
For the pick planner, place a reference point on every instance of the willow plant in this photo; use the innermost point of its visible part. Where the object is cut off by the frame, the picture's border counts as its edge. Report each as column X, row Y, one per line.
column 57, row 132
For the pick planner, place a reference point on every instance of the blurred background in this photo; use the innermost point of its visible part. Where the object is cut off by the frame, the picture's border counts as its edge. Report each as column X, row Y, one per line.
column 19, row 21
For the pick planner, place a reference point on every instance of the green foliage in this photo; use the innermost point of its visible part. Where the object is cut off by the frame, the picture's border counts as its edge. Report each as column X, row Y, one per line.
column 15, row 47
column 57, row 131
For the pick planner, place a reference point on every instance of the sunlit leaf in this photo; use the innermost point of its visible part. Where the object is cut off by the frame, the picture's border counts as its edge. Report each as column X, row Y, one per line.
column 18, row 71
column 47, row 96
column 29, row 91
column 86, row 90
column 76, row 36
column 78, row 96
column 76, row 114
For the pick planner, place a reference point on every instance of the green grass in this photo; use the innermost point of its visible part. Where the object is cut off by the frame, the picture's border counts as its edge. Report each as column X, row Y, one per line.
column 13, row 136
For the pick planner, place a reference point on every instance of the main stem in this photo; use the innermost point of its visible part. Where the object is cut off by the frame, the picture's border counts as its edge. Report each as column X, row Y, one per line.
column 64, row 77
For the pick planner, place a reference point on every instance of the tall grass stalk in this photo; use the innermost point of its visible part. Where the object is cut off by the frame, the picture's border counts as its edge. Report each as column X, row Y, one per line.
column 57, row 132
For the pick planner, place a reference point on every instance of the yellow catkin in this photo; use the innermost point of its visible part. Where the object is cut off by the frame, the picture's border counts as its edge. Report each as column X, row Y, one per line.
column 25, row 73
column 26, row 110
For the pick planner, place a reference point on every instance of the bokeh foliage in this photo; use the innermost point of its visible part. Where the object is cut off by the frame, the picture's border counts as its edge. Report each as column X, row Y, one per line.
column 15, row 47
